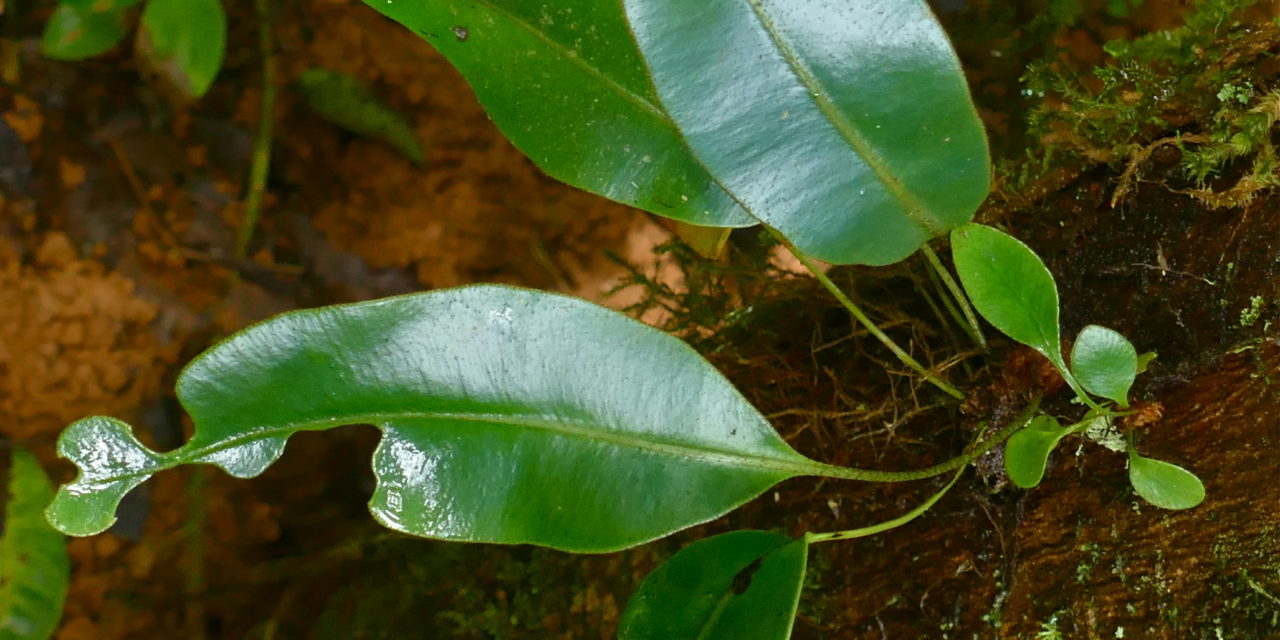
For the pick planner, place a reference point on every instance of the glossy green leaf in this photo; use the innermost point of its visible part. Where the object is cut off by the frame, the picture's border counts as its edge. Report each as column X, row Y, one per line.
column 344, row 101
column 1027, row 451
column 1105, row 363
column 1165, row 485
column 77, row 32
column 845, row 125
column 34, row 568
column 741, row 585
column 508, row 416
column 183, row 41
column 564, row 82
column 1010, row 286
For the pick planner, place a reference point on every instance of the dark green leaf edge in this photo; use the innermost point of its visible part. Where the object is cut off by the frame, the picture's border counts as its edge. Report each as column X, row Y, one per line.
column 243, row 429
column 929, row 223
column 66, row 32
column 1164, row 484
column 432, row 22
column 100, row 6
column 34, row 566
column 112, row 461
column 1099, row 376
column 1032, row 445
column 164, row 42
column 650, row 611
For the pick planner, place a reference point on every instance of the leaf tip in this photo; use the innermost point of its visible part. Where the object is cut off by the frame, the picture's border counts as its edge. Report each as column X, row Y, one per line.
column 111, row 462
column 1164, row 484
column 1026, row 454
column 1105, row 363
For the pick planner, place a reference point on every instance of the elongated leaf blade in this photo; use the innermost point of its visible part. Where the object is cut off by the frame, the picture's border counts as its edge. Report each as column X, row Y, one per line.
column 76, row 32
column 1164, row 485
column 1105, row 363
column 845, row 125
column 508, row 416
column 1009, row 285
column 1027, row 452
column 344, row 101
column 741, row 585
column 34, row 568
column 564, row 82
column 184, row 41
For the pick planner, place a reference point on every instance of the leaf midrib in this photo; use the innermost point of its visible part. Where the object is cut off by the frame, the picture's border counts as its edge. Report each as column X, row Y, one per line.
column 1050, row 343
column 915, row 210
column 793, row 467
column 627, row 94
column 577, row 59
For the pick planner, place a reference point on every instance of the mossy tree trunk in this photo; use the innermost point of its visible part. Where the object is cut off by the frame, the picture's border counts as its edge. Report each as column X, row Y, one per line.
column 1081, row 556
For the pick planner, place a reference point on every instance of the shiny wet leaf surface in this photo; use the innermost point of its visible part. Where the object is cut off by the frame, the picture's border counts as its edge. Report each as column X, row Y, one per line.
column 741, row 585
column 34, row 568
column 847, row 126
column 509, row 416
column 1105, row 363
column 565, row 83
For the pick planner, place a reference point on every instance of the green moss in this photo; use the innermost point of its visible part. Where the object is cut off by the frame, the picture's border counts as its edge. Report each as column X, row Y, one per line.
column 1236, row 93
column 995, row 615
column 1239, row 139
column 1250, row 314
column 1049, row 629
column 1202, row 28
column 1085, row 567
column 1244, row 593
column 1244, row 605
column 1165, row 87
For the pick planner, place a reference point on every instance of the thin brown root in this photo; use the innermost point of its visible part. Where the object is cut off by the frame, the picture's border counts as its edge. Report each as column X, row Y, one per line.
column 1139, row 157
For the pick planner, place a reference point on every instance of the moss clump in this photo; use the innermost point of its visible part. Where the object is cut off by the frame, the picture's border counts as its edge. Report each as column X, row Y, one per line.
column 1244, row 592
column 1250, row 314
column 1194, row 87
column 1236, row 137
column 1151, row 84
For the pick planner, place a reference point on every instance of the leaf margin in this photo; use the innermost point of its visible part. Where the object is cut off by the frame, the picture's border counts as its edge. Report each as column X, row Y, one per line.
column 26, row 539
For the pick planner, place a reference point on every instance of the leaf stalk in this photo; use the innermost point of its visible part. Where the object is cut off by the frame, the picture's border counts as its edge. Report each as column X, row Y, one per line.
column 863, row 319
column 971, row 325
column 261, row 163
column 869, row 475
column 881, row 527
